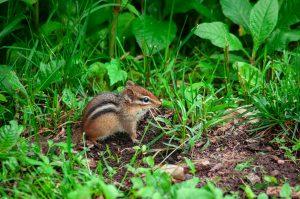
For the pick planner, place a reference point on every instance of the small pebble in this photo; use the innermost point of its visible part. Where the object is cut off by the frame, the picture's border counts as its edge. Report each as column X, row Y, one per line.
column 275, row 173
column 280, row 161
column 268, row 148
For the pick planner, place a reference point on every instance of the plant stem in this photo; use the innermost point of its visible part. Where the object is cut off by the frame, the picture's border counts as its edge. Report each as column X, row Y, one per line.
column 113, row 31
column 252, row 59
column 36, row 15
column 226, row 63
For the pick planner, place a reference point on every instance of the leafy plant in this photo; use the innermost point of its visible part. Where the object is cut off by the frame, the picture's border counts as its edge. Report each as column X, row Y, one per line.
column 263, row 19
column 115, row 72
column 218, row 34
column 10, row 82
column 286, row 191
column 243, row 165
column 277, row 104
column 49, row 73
column 284, row 33
column 237, row 11
column 95, row 186
column 153, row 35
column 158, row 184
column 249, row 192
column 9, row 135
column 260, row 20
column 250, row 77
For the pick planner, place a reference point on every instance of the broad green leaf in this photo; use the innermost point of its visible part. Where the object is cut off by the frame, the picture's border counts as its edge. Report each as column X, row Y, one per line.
column 96, row 8
column 132, row 9
column 9, row 135
column 149, row 160
column 218, row 194
column 2, row 98
column 249, row 193
column 263, row 19
column 207, row 12
column 153, row 35
column 280, row 38
column 232, row 57
column 289, row 13
column 262, row 196
column 30, row 2
column 32, row 161
column 218, row 34
column 269, row 179
column 3, row 1
column 124, row 25
column 137, row 183
column 69, row 98
column 109, row 191
column 191, row 165
column 115, row 73
column 10, row 81
column 50, row 73
column 190, row 193
column 286, row 191
column 50, row 26
column 248, row 74
column 11, row 26
column 189, row 183
column 97, row 70
column 176, row 6
column 82, row 192
column 146, row 192
column 243, row 165
column 238, row 11
column 96, row 18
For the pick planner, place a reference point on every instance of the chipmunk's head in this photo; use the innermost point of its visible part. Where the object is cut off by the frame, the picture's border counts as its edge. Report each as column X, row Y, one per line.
column 140, row 97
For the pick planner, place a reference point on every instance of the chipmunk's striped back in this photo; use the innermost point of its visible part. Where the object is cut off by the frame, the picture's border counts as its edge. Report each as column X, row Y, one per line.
column 102, row 104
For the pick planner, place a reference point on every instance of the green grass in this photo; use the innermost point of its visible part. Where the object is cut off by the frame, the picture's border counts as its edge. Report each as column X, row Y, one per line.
column 53, row 65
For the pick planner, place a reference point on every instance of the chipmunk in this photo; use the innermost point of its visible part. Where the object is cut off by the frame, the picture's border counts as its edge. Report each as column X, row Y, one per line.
column 109, row 113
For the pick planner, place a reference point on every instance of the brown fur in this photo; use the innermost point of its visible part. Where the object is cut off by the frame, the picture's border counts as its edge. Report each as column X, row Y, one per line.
column 96, row 127
column 130, row 112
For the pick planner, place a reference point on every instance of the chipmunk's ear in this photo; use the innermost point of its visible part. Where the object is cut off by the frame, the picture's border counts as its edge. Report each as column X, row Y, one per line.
column 128, row 95
column 129, row 83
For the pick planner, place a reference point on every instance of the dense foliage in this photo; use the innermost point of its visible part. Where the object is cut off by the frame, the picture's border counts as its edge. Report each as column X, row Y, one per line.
column 203, row 57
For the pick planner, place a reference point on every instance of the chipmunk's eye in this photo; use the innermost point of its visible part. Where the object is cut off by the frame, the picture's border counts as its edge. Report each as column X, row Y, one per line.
column 145, row 99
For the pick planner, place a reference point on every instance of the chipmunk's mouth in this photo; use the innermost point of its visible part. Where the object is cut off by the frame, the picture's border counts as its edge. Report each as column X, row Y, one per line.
column 141, row 113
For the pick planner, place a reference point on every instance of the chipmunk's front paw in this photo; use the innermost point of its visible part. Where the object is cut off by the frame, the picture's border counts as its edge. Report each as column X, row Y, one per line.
column 135, row 141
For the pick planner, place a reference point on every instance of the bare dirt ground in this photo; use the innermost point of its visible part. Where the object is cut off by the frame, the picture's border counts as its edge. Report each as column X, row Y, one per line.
column 233, row 158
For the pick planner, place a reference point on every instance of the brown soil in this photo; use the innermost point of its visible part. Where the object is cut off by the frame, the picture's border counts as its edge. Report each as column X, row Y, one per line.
column 229, row 146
